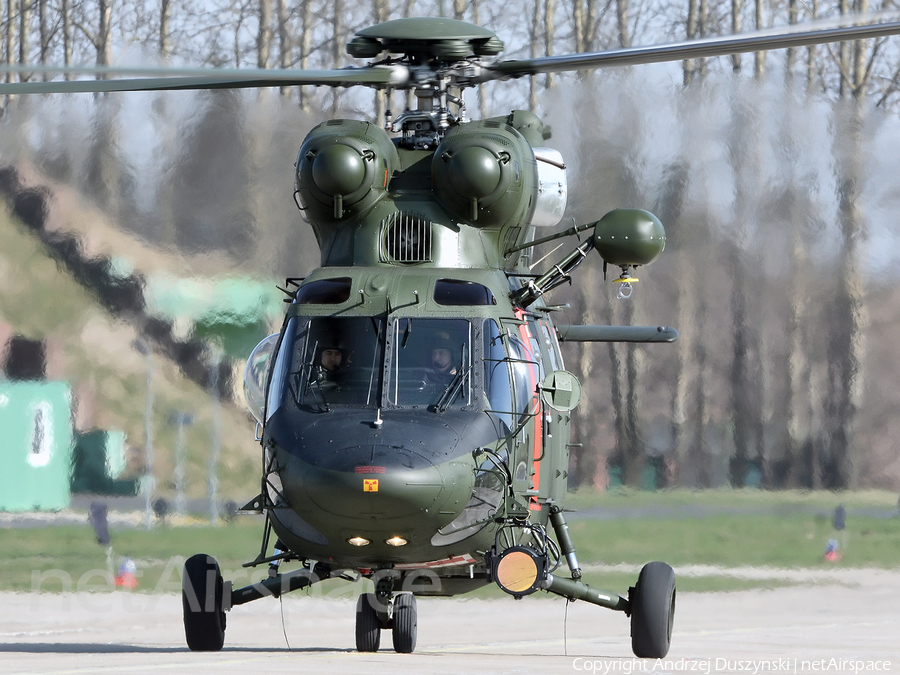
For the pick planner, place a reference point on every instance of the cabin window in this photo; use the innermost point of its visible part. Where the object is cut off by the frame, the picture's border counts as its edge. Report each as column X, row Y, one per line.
column 552, row 345
column 431, row 362
column 325, row 292
column 497, row 384
column 456, row 292
column 524, row 369
column 334, row 360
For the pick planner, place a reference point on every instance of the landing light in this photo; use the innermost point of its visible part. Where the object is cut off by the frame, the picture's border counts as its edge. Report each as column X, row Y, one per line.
column 358, row 541
column 396, row 541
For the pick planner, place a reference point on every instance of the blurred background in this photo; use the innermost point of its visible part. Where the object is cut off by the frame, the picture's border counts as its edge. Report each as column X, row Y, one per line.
column 144, row 236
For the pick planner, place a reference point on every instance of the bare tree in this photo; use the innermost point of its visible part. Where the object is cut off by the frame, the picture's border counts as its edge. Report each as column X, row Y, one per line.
column 165, row 17
column 284, row 40
column 549, row 35
column 380, row 14
column 689, row 65
column 337, row 37
column 759, row 58
column 737, row 6
column 264, row 33
column 533, row 50
column 304, row 45
column 622, row 23
column 24, row 36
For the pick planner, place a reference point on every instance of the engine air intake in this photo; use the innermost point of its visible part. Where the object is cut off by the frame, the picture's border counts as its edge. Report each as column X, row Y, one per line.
column 406, row 238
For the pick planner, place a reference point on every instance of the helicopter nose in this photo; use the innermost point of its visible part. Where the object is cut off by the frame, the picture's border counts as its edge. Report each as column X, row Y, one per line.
column 390, row 486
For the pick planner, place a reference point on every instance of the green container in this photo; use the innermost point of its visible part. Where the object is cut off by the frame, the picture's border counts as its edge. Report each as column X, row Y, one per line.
column 98, row 461
column 35, row 445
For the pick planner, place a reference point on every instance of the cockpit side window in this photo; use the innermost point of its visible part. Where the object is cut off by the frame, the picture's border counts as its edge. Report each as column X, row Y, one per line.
column 524, row 369
column 497, row 384
column 276, row 391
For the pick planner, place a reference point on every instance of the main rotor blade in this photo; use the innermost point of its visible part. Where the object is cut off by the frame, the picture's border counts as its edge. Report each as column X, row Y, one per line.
column 177, row 79
column 693, row 49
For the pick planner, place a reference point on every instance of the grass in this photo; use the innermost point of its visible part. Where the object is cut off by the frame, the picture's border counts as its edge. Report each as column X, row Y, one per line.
column 69, row 558
column 729, row 498
column 796, row 540
column 58, row 558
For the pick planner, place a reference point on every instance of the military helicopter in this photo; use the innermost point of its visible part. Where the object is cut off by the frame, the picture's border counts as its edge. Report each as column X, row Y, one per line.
column 413, row 412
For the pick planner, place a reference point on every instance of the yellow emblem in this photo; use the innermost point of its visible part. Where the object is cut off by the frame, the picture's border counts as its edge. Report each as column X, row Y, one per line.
column 370, row 485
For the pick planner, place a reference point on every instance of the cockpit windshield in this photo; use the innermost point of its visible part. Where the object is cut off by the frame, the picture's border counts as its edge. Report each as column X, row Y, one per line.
column 334, row 360
column 431, row 363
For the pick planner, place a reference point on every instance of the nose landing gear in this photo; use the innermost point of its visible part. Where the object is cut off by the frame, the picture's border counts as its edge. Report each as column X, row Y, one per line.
column 376, row 612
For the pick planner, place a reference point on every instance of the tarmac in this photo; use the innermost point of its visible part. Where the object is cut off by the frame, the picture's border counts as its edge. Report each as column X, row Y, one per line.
column 833, row 621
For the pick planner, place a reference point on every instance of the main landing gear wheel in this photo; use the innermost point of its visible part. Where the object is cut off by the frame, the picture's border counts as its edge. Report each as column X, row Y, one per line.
column 368, row 625
column 653, row 611
column 404, row 623
column 201, row 598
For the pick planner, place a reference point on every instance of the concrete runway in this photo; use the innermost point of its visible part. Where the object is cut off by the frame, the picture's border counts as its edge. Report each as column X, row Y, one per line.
column 840, row 622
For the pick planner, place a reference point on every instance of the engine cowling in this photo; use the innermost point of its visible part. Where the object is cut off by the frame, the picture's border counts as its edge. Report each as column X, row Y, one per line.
column 485, row 173
column 344, row 167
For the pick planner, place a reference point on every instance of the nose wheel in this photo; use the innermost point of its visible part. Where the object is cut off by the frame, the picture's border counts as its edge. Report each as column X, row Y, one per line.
column 404, row 623
column 653, row 611
column 375, row 613
column 202, row 594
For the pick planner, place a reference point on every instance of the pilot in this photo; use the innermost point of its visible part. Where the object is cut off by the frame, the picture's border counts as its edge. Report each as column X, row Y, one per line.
column 443, row 366
column 331, row 363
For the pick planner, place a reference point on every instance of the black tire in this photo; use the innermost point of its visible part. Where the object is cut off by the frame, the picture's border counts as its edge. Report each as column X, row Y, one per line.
column 405, row 622
column 653, row 611
column 368, row 626
column 201, row 598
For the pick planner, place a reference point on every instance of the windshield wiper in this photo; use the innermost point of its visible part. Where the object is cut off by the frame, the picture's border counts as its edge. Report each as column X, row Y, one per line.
column 452, row 390
column 313, row 383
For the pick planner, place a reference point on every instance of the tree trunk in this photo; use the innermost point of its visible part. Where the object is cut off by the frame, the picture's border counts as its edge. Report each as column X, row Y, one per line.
column 165, row 16
column 337, row 33
column 847, row 334
column 622, row 23
column 381, row 12
column 264, row 34
column 759, row 58
column 533, row 41
column 104, row 7
column 859, row 60
column 811, row 54
column 305, row 43
column 736, row 27
column 789, row 52
column 578, row 25
column 702, row 27
column 24, row 37
column 549, row 35
column 844, row 58
column 689, row 66
column 66, row 26
column 482, row 99
column 284, row 41
column 44, row 30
